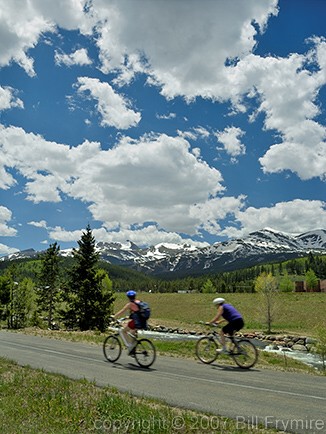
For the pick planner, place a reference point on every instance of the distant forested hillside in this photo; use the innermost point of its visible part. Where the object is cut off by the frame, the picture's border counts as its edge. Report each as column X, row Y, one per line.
column 241, row 280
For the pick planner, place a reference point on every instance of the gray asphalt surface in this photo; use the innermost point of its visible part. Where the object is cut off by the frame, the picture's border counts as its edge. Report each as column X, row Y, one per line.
column 288, row 401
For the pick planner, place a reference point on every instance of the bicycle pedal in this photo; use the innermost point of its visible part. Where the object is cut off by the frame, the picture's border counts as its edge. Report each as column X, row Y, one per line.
column 132, row 352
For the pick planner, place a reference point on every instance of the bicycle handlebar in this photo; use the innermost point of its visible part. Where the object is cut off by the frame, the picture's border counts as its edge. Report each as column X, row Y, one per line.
column 117, row 321
column 209, row 324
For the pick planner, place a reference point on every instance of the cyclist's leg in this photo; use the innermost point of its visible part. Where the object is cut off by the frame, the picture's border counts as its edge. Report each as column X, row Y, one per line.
column 238, row 324
column 226, row 330
column 229, row 330
column 133, row 333
column 130, row 333
column 233, row 327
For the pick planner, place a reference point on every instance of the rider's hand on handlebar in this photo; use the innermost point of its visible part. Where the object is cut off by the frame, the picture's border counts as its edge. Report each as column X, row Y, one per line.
column 207, row 323
column 212, row 324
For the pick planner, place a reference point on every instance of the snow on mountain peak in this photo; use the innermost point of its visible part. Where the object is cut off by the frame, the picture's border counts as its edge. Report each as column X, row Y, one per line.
column 259, row 246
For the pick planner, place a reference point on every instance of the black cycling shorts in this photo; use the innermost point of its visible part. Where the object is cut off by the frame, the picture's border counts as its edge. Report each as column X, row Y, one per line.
column 233, row 326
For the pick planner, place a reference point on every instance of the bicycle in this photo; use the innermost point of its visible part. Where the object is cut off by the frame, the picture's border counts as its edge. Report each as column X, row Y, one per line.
column 241, row 350
column 144, row 351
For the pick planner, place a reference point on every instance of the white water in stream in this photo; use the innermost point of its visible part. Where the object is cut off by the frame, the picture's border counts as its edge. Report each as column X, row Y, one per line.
column 303, row 356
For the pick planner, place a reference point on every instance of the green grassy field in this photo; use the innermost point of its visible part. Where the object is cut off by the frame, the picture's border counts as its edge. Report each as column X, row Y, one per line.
column 295, row 312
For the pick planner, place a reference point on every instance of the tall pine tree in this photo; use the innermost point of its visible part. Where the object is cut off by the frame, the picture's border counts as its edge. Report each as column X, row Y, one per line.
column 49, row 282
column 90, row 300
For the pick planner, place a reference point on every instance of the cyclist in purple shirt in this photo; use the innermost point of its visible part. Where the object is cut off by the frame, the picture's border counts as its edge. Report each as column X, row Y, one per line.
column 226, row 312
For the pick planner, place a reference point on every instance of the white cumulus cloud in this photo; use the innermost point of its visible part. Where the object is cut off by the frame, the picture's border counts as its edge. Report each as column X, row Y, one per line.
column 114, row 108
column 230, row 138
column 8, row 99
column 307, row 215
column 78, row 57
column 5, row 218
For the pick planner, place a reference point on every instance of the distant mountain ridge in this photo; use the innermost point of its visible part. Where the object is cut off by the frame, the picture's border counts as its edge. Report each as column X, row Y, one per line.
column 184, row 259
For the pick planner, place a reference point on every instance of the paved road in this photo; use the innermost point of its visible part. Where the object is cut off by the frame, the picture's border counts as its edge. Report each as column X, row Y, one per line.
column 289, row 401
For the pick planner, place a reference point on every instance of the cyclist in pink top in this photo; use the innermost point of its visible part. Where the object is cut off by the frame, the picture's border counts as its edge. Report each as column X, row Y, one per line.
column 134, row 323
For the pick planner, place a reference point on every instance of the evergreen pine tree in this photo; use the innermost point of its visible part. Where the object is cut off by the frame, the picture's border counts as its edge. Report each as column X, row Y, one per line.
column 208, row 287
column 24, row 303
column 49, row 282
column 89, row 299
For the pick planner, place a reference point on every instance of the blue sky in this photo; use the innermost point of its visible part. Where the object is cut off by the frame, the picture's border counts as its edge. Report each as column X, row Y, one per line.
column 160, row 121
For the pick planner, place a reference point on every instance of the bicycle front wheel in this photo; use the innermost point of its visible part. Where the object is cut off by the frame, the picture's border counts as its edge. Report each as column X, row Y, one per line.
column 145, row 353
column 112, row 348
column 245, row 354
column 206, row 349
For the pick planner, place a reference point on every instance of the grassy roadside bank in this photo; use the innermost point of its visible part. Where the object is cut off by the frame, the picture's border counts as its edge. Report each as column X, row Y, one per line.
column 33, row 401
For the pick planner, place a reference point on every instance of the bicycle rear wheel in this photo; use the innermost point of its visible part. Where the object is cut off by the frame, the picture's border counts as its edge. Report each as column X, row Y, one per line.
column 206, row 349
column 245, row 354
column 145, row 353
column 112, row 348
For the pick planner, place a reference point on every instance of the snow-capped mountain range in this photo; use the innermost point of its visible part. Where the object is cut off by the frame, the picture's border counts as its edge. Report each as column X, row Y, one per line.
column 184, row 259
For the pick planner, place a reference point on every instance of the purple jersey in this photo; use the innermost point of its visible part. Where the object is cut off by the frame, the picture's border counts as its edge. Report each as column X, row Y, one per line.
column 230, row 313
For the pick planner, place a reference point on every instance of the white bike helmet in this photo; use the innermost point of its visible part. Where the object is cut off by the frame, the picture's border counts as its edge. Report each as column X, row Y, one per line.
column 218, row 300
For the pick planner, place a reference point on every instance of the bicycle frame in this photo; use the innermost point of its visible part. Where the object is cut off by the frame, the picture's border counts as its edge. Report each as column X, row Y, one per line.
column 143, row 349
column 241, row 350
column 228, row 339
column 123, row 337
column 118, row 331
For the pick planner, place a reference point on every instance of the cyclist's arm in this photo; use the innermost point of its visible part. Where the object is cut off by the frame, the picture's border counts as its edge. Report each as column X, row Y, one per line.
column 122, row 311
column 218, row 317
